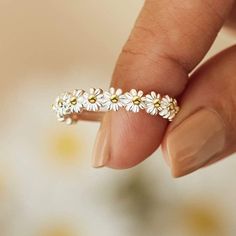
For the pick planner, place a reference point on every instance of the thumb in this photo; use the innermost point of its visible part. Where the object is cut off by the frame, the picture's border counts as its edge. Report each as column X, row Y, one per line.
column 205, row 129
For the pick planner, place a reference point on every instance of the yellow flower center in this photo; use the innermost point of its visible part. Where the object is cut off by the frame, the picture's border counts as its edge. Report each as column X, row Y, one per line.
column 92, row 99
column 171, row 106
column 114, row 99
column 60, row 103
column 156, row 103
column 136, row 100
column 73, row 100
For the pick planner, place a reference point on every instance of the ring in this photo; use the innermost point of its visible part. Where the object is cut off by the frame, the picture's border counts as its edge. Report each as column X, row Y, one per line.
column 70, row 105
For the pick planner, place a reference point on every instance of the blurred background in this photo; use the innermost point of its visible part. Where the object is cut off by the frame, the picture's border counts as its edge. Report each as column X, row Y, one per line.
column 47, row 187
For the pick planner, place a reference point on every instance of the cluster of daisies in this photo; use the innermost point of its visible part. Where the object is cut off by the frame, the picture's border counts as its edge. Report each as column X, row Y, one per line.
column 112, row 100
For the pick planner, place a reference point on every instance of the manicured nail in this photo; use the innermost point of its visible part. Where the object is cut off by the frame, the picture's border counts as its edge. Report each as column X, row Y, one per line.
column 101, row 146
column 195, row 142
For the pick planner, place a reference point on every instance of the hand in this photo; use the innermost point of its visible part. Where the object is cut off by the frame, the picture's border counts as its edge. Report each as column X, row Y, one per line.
column 168, row 41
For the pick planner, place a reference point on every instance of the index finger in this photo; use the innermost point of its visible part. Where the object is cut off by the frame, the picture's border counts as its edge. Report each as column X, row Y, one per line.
column 169, row 39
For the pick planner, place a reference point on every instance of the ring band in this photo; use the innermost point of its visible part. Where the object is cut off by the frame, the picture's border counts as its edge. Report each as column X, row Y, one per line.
column 69, row 105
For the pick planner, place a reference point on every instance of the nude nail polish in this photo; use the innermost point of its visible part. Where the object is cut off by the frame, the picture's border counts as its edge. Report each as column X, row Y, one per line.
column 197, row 140
column 102, row 145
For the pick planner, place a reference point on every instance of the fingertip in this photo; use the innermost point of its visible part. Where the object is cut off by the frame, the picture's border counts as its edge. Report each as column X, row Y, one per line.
column 135, row 136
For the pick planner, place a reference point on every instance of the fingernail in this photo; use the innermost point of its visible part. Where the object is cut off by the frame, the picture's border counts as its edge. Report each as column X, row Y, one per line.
column 195, row 142
column 101, row 146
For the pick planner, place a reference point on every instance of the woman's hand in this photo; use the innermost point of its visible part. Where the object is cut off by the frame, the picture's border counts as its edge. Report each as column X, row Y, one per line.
column 168, row 41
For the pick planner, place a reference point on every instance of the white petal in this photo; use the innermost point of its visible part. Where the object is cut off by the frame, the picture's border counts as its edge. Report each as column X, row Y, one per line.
column 77, row 108
column 163, row 112
column 149, row 109
column 112, row 90
column 59, row 115
column 98, row 103
column 107, row 107
column 89, row 107
column 165, row 100
column 167, row 115
column 142, row 105
column 80, row 100
column 118, row 92
column 154, row 112
column 133, row 92
column 140, row 93
column 149, row 98
column 100, row 97
column 120, row 104
column 115, row 107
column 143, row 99
column 65, row 96
column 97, row 92
column 86, row 95
column 94, row 107
column 107, row 94
column 92, row 90
column 164, row 104
column 69, row 121
column 74, row 92
column 106, row 102
column 129, row 96
column 171, row 116
column 61, row 119
column 129, row 106
column 135, row 108
column 125, row 101
column 153, row 94
column 78, row 92
column 148, row 103
column 169, row 99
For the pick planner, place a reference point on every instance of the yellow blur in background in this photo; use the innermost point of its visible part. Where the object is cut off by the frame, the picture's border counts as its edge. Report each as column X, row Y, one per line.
column 47, row 187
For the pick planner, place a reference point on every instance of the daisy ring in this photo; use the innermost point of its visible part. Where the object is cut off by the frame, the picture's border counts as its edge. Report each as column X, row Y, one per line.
column 81, row 105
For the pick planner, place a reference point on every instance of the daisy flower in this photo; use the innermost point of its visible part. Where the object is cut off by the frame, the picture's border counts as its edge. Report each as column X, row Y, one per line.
column 76, row 100
column 153, row 103
column 134, row 100
column 62, row 106
column 112, row 99
column 169, row 108
column 93, row 99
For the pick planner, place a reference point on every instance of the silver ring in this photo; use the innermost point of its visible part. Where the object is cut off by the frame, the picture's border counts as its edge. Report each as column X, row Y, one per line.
column 69, row 105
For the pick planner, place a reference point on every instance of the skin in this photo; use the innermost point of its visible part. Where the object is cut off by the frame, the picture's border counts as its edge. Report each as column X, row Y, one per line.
column 169, row 39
